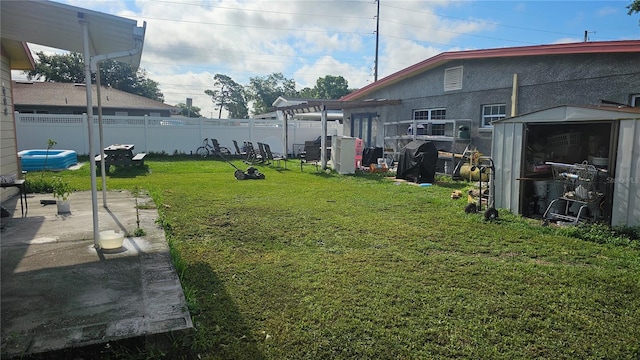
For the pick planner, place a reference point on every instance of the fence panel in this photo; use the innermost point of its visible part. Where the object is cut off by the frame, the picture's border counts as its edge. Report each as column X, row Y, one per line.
column 156, row 134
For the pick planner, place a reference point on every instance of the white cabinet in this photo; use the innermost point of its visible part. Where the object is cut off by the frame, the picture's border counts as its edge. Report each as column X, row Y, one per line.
column 343, row 154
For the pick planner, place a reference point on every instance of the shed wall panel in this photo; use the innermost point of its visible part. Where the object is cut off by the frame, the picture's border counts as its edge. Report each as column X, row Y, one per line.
column 507, row 154
column 626, row 197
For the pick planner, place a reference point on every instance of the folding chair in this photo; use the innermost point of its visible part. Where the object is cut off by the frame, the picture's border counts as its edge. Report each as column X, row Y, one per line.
column 239, row 153
column 252, row 155
column 263, row 154
column 220, row 149
column 270, row 156
column 311, row 154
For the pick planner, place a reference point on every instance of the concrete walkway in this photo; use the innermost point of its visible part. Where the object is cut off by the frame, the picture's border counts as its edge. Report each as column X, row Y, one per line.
column 58, row 291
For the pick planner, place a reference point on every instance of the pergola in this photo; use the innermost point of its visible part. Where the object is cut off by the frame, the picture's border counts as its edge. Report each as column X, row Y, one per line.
column 96, row 35
column 322, row 106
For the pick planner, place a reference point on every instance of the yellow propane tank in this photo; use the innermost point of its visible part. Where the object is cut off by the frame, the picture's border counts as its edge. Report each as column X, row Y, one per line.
column 467, row 174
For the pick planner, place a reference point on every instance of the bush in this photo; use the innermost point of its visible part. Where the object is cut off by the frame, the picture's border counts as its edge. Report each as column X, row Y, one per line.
column 604, row 234
column 39, row 184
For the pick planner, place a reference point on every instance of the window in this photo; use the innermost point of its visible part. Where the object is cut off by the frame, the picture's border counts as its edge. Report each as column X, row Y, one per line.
column 430, row 115
column 635, row 100
column 453, row 78
column 121, row 113
column 491, row 113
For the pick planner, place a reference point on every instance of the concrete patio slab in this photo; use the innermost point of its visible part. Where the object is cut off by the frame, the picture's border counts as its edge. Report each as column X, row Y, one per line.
column 59, row 291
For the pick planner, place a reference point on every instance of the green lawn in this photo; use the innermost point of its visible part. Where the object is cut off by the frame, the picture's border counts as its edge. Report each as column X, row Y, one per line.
column 305, row 265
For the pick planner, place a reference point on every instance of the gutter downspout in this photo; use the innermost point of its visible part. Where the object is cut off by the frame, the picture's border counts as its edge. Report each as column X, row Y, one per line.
column 514, row 96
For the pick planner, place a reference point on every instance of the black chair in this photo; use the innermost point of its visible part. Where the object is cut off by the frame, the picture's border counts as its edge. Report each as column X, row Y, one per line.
column 311, row 154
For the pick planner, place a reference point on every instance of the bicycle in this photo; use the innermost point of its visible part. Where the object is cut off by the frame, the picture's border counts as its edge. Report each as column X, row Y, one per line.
column 206, row 149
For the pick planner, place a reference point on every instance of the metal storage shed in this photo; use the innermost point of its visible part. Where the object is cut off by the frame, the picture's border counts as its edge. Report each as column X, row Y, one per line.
column 609, row 134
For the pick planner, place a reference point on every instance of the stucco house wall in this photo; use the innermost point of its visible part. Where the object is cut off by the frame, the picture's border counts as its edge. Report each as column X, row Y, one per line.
column 543, row 81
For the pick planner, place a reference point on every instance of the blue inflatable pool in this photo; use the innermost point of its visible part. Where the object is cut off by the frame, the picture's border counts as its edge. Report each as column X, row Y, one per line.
column 34, row 160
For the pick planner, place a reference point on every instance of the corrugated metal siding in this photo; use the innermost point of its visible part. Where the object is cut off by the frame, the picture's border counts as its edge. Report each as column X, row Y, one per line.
column 8, row 152
column 626, row 197
column 507, row 156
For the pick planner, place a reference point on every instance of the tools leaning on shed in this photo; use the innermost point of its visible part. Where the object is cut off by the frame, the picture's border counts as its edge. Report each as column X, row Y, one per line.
column 251, row 174
column 484, row 165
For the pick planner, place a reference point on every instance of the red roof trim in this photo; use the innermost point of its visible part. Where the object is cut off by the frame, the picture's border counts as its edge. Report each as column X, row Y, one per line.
column 626, row 46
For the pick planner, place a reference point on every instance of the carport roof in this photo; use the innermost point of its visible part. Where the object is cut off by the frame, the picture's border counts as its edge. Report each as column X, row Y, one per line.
column 57, row 25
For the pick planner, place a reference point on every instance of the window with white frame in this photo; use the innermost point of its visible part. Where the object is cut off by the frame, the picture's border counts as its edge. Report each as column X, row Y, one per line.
column 431, row 115
column 635, row 100
column 491, row 113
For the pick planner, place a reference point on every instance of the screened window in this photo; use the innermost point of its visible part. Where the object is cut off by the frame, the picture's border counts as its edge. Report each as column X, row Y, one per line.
column 493, row 112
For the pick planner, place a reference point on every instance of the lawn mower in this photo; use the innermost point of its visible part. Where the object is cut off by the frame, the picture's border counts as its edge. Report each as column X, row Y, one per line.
column 251, row 174
column 484, row 164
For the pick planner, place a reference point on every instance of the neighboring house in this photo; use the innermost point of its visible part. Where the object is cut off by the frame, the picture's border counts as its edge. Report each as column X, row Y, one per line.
column 68, row 98
column 474, row 88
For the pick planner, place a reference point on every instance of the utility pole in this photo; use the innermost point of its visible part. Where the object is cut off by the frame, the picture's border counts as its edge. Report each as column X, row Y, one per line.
column 375, row 73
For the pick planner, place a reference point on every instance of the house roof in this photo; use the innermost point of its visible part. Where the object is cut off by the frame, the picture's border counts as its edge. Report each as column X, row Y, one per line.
column 627, row 46
column 74, row 95
column 58, row 25
column 568, row 113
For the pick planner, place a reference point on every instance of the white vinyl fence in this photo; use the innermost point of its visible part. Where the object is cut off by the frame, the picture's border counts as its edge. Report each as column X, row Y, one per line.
column 155, row 134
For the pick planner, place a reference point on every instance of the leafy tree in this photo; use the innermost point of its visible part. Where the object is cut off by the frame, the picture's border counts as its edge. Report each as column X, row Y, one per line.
column 634, row 7
column 263, row 91
column 331, row 87
column 327, row 87
column 229, row 95
column 69, row 68
column 192, row 111
column 308, row 93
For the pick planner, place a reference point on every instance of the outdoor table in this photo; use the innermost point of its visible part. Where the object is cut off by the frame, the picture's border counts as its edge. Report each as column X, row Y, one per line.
column 20, row 184
column 118, row 154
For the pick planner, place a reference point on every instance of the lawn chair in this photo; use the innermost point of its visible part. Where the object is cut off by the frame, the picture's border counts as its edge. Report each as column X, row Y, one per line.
column 270, row 156
column 252, row 155
column 220, row 149
column 239, row 153
column 311, row 154
column 263, row 154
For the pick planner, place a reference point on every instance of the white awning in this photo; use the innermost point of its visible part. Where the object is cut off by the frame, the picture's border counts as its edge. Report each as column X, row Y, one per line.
column 57, row 25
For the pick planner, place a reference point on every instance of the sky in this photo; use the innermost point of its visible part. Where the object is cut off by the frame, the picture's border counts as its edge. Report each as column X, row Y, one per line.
column 187, row 42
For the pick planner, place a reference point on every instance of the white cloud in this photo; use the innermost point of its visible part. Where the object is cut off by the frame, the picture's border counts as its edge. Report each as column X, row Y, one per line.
column 189, row 41
column 307, row 75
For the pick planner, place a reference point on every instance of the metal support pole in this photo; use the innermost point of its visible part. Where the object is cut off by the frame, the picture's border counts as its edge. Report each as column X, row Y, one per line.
column 92, row 164
column 100, row 136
